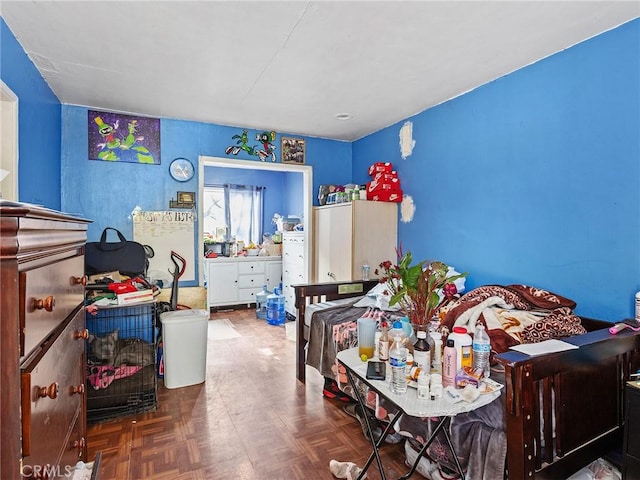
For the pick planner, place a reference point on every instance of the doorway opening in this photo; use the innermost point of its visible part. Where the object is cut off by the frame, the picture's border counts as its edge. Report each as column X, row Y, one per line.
column 8, row 143
column 307, row 186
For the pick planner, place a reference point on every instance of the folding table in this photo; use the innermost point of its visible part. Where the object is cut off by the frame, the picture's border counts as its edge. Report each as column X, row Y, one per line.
column 405, row 404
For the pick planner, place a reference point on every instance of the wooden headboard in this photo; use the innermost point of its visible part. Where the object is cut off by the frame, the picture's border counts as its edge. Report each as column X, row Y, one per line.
column 321, row 292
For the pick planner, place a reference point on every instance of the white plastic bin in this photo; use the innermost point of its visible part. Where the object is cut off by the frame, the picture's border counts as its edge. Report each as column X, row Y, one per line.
column 184, row 340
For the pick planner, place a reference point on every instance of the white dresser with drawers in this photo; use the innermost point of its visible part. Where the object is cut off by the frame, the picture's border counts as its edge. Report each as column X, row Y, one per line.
column 293, row 268
column 236, row 280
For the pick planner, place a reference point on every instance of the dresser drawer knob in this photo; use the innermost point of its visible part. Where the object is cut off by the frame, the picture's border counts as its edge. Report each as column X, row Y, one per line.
column 47, row 304
column 80, row 444
column 51, row 391
column 77, row 389
column 80, row 280
column 84, row 334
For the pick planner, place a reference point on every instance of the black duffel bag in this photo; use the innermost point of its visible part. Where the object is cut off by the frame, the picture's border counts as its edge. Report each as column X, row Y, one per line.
column 127, row 257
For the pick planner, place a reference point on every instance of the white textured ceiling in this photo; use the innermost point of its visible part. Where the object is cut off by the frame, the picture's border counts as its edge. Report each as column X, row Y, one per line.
column 292, row 66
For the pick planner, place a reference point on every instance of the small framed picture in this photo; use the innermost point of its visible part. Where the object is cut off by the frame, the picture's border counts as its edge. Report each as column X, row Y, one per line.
column 186, row 197
column 293, row 150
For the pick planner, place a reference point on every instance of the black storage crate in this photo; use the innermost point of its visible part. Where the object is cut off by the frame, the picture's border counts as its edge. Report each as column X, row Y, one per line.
column 121, row 361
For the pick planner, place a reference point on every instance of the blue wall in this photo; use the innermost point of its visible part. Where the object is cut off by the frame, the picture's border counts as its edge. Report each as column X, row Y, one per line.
column 38, row 124
column 107, row 192
column 294, row 194
column 282, row 194
column 533, row 178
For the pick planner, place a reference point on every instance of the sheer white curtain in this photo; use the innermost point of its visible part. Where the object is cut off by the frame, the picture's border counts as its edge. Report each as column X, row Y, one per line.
column 237, row 207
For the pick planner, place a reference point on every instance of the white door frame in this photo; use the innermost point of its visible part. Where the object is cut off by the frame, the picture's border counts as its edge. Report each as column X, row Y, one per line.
column 9, row 142
column 307, row 202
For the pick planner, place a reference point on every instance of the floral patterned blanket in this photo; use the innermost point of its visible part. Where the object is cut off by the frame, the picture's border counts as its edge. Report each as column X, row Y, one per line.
column 514, row 314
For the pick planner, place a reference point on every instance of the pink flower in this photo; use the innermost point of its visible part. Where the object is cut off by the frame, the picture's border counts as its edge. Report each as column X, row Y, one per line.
column 450, row 290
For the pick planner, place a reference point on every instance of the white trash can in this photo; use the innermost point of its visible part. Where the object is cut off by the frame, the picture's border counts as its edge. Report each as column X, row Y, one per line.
column 184, row 347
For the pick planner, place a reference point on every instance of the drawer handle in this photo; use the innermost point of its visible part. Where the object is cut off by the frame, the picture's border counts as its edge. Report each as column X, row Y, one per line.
column 84, row 334
column 51, row 391
column 332, row 275
column 46, row 304
column 79, row 280
column 79, row 389
column 80, row 444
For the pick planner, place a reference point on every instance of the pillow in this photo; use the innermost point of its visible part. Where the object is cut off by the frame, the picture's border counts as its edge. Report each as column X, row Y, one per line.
column 460, row 282
column 378, row 297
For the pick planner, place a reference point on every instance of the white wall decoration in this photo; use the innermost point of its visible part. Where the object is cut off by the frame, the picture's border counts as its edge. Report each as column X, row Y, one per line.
column 407, row 209
column 406, row 140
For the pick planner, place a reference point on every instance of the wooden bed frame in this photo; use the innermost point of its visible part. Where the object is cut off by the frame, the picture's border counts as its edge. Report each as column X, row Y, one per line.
column 581, row 391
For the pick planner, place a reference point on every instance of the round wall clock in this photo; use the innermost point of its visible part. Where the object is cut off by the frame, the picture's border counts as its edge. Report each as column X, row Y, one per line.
column 181, row 170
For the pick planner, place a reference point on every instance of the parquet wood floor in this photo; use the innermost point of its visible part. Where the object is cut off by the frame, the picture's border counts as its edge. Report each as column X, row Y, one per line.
column 250, row 420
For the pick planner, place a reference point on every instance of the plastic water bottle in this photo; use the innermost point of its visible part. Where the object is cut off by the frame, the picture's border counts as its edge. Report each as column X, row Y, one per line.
column 398, row 363
column 275, row 308
column 481, row 351
column 261, row 303
column 281, row 301
column 282, row 315
column 397, row 331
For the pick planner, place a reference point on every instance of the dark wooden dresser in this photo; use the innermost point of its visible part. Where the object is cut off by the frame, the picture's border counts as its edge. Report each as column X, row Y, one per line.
column 42, row 349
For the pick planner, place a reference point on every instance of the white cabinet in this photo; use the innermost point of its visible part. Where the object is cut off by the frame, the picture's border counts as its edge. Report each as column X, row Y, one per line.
column 348, row 235
column 273, row 274
column 293, row 267
column 233, row 281
column 222, row 283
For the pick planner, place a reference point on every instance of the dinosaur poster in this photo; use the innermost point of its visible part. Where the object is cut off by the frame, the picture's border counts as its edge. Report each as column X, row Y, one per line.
column 123, row 138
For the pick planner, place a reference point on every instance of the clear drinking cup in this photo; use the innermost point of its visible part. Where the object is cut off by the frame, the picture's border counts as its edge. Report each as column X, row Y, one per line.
column 366, row 336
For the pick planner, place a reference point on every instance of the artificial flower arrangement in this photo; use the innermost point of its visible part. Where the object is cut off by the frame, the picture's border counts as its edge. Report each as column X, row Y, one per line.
column 421, row 289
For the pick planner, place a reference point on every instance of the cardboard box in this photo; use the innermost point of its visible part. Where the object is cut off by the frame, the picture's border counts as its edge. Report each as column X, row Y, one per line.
column 273, row 249
column 392, row 185
column 468, row 376
column 380, row 167
column 385, row 196
column 386, row 177
column 135, row 297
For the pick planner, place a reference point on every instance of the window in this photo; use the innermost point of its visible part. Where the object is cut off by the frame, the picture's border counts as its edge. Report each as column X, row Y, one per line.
column 233, row 211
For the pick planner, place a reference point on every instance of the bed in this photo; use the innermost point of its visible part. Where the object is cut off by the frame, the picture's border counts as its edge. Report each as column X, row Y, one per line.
column 571, row 401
